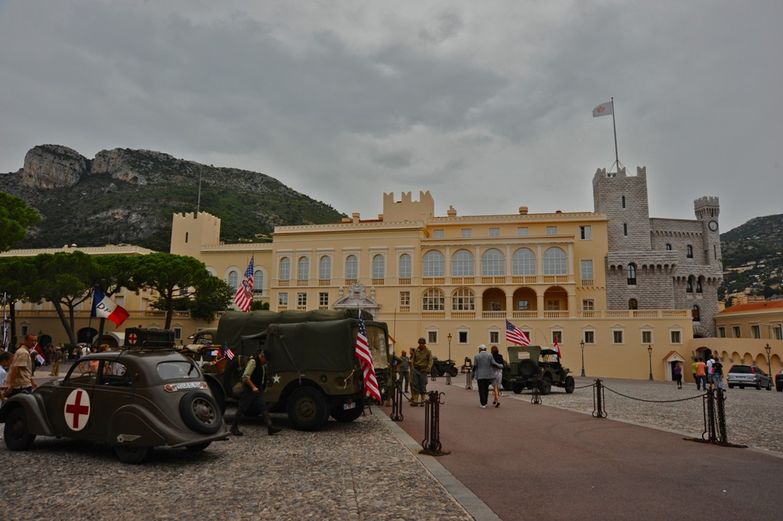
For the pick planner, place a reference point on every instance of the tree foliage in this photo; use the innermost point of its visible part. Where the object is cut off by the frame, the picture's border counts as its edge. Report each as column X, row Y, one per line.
column 15, row 218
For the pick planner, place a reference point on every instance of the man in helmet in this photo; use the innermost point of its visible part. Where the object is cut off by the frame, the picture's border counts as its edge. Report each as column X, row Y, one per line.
column 422, row 365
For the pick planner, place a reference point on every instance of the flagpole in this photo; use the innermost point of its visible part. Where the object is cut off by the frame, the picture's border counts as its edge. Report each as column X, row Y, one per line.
column 614, row 127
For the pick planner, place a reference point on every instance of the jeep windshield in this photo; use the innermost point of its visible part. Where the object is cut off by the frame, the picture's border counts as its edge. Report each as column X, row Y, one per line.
column 379, row 344
column 178, row 370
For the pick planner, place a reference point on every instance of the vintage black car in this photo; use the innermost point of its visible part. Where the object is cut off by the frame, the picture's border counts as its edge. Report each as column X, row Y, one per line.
column 135, row 399
column 534, row 367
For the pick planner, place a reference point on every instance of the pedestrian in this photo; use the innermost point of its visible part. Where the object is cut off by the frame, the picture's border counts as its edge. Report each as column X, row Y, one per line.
column 422, row 365
column 5, row 363
column 694, row 366
column 677, row 371
column 717, row 372
column 701, row 375
column 709, row 368
column 483, row 373
column 404, row 369
column 251, row 399
column 20, row 375
column 497, row 381
column 57, row 356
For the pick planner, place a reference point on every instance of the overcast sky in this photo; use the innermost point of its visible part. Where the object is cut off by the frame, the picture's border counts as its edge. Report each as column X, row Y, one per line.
column 486, row 104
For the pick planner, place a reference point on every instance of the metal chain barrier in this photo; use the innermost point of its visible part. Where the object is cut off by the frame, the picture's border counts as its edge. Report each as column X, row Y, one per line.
column 599, row 411
column 714, row 411
column 652, row 401
column 396, row 415
column 535, row 398
column 431, row 444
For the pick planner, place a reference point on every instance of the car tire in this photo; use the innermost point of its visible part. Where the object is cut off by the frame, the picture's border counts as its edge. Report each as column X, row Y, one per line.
column 528, row 368
column 569, row 384
column 453, row 371
column 198, row 447
column 200, row 412
column 347, row 416
column 131, row 455
column 15, row 433
column 307, row 409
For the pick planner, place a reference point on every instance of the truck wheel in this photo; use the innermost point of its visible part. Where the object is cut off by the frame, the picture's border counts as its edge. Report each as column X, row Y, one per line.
column 453, row 371
column 200, row 412
column 307, row 409
column 347, row 416
column 16, row 435
column 569, row 384
column 132, row 455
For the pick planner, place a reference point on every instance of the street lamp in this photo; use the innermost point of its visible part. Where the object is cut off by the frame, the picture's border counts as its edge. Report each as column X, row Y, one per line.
column 448, row 369
column 768, row 349
column 649, row 354
column 582, row 345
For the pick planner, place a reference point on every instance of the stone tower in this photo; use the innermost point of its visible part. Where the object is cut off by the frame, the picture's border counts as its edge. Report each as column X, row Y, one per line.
column 624, row 201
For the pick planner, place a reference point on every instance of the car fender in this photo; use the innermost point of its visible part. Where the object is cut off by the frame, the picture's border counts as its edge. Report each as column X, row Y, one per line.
column 134, row 426
column 34, row 413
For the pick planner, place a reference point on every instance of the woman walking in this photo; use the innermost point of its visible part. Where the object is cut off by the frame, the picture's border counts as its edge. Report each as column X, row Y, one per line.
column 496, row 382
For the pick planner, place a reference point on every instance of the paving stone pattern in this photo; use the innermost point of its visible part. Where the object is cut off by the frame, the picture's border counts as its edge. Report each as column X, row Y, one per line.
column 753, row 417
column 353, row 471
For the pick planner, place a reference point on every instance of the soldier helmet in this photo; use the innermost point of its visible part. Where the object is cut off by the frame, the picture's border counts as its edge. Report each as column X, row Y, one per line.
column 422, row 341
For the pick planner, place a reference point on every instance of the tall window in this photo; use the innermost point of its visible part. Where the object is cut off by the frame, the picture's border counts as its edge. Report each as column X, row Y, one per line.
column 233, row 279
column 696, row 313
column 647, row 336
column 284, row 272
column 632, row 274
column 585, row 233
column 587, row 270
column 736, row 331
column 258, row 282
column 433, row 264
column 378, row 267
column 301, row 300
column 676, row 336
column 462, row 264
column 588, row 336
column 351, row 267
column 623, row 201
column 689, row 284
column 493, row 263
column 433, row 300
column 700, row 285
column 755, row 331
column 325, row 268
column 777, row 332
column 617, row 336
column 303, row 269
column 282, row 298
column 554, row 262
column 523, row 262
column 668, row 246
column 323, row 299
column 689, row 251
column 588, row 304
column 405, row 266
column 633, row 304
column 463, row 300
column 405, row 299
column 625, row 229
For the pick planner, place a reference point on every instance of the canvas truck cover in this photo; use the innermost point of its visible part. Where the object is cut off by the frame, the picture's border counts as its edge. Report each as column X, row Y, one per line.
column 306, row 346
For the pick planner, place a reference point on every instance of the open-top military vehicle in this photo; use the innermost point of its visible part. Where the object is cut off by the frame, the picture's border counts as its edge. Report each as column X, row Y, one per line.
column 312, row 370
column 532, row 367
column 441, row 367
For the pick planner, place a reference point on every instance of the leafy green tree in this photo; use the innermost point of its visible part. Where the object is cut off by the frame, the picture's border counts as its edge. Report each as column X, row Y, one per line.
column 64, row 280
column 173, row 277
column 257, row 305
column 16, row 276
column 15, row 218
column 212, row 294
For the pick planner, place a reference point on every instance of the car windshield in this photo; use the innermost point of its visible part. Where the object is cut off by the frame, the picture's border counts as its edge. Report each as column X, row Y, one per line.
column 178, row 370
column 740, row 369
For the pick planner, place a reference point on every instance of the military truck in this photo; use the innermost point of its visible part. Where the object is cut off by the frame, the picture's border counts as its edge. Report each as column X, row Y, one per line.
column 536, row 367
column 312, row 371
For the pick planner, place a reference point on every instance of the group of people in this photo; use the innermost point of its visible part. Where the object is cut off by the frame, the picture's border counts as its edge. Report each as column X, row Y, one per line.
column 16, row 371
column 709, row 372
column 488, row 371
column 414, row 370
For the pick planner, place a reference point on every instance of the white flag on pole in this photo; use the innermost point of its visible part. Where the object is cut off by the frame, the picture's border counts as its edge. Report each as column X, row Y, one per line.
column 604, row 109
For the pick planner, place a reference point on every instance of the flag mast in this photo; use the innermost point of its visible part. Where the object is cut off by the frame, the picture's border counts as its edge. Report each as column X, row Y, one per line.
column 614, row 128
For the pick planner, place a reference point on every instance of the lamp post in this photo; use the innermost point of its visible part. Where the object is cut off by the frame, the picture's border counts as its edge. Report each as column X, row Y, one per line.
column 768, row 349
column 582, row 345
column 649, row 355
column 448, row 369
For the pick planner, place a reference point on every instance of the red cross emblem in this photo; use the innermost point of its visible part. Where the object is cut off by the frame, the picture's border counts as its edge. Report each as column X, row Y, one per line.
column 132, row 338
column 77, row 409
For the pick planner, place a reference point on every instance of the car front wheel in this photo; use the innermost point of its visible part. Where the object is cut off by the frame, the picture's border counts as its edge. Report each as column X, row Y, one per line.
column 16, row 435
column 569, row 384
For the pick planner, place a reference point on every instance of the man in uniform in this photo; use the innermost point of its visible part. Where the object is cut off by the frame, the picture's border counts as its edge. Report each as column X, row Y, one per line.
column 422, row 365
column 20, row 376
column 251, row 400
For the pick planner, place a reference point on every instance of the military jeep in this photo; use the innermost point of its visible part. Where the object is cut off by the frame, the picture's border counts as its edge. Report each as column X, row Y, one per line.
column 441, row 367
column 312, row 371
column 534, row 367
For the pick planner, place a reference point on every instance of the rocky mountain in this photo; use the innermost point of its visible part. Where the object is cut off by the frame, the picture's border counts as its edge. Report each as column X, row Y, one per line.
column 128, row 196
column 753, row 257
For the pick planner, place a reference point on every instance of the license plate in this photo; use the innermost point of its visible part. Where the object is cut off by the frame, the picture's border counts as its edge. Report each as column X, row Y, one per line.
column 349, row 405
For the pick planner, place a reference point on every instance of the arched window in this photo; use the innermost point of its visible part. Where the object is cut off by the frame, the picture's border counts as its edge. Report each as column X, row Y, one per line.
column 303, row 269
column 258, row 282
column 433, row 264
column 405, row 266
column 689, row 251
column 463, row 300
column 233, row 278
column 700, row 285
column 378, row 267
column 433, row 300
column 351, row 267
column 523, row 262
column 632, row 274
column 668, row 246
column 689, row 284
column 493, row 263
column 284, row 273
column 462, row 264
column 554, row 262
column 633, row 304
column 696, row 313
column 325, row 268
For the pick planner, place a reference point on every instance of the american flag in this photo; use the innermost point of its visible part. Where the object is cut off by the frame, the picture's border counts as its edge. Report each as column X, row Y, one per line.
column 516, row 336
column 364, row 355
column 244, row 297
column 229, row 353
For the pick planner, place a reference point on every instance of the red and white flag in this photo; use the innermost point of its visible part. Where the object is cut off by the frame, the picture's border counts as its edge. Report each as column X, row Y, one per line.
column 244, row 296
column 604, row 109
column 104, row 307
column 364, row 355
column 556, row 347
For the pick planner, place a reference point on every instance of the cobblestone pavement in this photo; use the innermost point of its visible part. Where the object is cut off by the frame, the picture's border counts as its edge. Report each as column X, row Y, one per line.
column 348, row 472
column 753, row 418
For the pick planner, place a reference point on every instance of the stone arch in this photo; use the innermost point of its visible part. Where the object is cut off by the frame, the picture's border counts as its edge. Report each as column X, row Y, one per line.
column 493, row 299
column 556, row 299
column 522, row 295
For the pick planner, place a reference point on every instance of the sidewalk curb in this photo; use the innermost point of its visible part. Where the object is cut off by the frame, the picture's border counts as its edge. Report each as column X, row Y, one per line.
column 471, row 503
